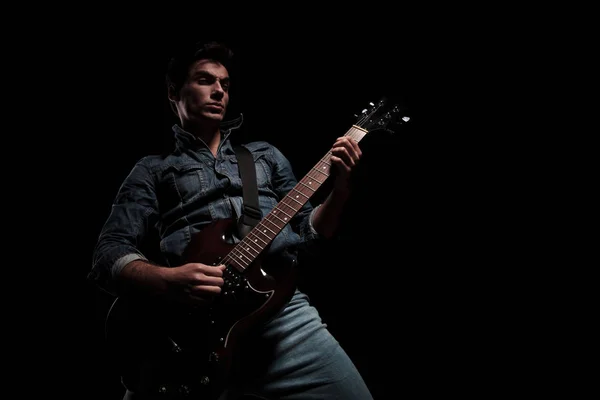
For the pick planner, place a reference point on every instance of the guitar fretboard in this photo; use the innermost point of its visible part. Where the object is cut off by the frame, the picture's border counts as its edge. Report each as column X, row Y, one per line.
column 246, row 251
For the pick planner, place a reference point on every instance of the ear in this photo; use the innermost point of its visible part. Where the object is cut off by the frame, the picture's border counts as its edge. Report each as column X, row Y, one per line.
column 171, row 93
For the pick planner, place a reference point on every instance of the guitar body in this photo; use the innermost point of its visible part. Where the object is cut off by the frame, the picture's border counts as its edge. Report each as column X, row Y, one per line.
column 170, row 351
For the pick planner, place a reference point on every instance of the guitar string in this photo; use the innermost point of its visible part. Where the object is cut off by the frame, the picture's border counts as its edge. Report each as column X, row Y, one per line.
column 252, row 238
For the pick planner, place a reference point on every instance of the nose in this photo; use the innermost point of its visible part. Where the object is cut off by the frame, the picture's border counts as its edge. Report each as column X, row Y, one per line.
column 218, row 90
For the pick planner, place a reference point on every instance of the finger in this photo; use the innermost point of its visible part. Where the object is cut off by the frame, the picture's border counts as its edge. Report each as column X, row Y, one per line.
column 198, row 294
column 346, row 141
column 350, row 146
column 203, row 290
column 353, row 148
column 356, row 147
column 210, row 280
column 214, row 271
column 340, row 164
column 342, row 154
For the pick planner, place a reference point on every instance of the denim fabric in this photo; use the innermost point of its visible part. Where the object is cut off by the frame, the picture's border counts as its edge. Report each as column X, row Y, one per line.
column 176, row 195
column 296, row 357
column 307, row 362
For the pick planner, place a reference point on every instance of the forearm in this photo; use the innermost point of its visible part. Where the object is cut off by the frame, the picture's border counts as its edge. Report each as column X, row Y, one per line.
column 142, row 276
column 328, row 215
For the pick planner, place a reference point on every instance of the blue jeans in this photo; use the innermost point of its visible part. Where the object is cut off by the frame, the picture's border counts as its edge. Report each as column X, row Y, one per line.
column 297, row 358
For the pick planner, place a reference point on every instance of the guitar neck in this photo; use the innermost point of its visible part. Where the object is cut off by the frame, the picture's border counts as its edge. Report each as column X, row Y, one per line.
column 249, row 248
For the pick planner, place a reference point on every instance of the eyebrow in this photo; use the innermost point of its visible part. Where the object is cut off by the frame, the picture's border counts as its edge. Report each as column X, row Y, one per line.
column 206, row 73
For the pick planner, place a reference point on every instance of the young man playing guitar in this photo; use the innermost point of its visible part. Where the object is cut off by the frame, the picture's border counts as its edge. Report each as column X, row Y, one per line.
column 205, row 319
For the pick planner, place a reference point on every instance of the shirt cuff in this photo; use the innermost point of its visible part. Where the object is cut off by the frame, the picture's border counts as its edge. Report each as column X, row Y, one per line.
column 310, row 220
column 123, row 261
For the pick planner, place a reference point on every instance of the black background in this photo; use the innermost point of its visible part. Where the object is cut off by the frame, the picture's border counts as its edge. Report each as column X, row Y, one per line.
column 414, row 289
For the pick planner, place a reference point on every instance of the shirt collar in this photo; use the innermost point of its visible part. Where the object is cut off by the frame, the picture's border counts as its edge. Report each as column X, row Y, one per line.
column 185, row 139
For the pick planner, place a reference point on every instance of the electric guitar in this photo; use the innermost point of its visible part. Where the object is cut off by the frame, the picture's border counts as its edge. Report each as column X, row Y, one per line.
column 169, row 352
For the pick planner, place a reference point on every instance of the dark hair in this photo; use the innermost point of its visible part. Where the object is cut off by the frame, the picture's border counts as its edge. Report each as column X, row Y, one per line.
column 179, row 65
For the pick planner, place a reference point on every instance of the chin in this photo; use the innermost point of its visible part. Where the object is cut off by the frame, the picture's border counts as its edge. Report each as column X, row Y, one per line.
column 213, row 116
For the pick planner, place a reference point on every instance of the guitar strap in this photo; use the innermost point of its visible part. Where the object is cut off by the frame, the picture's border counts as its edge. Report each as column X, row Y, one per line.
column 251, row 214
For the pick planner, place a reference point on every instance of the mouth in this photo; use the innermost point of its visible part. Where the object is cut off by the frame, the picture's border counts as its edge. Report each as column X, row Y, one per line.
column 216, row 106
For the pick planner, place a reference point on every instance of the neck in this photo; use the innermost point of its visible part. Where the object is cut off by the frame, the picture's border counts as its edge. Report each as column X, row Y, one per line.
column 208, row 133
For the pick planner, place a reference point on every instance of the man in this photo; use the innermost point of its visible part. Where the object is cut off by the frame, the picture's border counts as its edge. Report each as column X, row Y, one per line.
column 173, row 198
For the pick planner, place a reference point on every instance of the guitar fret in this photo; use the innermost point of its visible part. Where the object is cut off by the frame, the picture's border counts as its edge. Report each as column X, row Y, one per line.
column 240, row 255
column 264, row 226
column 268, row 220
column 283, row 212
column 249, row 241
column 267, row 229
column 321, row 172
column 296, row 196
column 282, row 220
column 308, row 187
column 256, row 237
column 313, row 179
column 297, row 190
column 266, row 239
column 234, row 261
column 290, row 210
column 249, row 248
column 320, row 167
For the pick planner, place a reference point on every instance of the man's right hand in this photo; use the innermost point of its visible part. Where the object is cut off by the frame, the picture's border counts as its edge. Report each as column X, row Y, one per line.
column 195, row 283
column 191, row 283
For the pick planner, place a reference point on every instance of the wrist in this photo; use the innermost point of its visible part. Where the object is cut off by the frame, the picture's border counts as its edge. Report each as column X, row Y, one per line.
column 341, row 192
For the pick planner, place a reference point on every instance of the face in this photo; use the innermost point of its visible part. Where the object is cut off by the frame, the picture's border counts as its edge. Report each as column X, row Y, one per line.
column 205, row 94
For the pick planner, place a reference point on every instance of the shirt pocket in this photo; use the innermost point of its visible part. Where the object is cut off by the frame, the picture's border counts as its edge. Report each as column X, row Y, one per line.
column 186, row 182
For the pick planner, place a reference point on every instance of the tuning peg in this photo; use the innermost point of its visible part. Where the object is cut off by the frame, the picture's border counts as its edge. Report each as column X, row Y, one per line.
column 363, row 112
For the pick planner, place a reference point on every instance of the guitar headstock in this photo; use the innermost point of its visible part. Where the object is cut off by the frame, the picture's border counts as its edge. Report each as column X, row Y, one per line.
column 381, row 116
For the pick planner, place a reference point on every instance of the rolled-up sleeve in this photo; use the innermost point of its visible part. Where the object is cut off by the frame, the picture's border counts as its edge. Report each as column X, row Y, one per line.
column 132, row 215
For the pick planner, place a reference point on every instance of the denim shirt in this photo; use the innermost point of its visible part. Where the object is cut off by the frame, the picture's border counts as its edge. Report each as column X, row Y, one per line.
column 174, row 196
